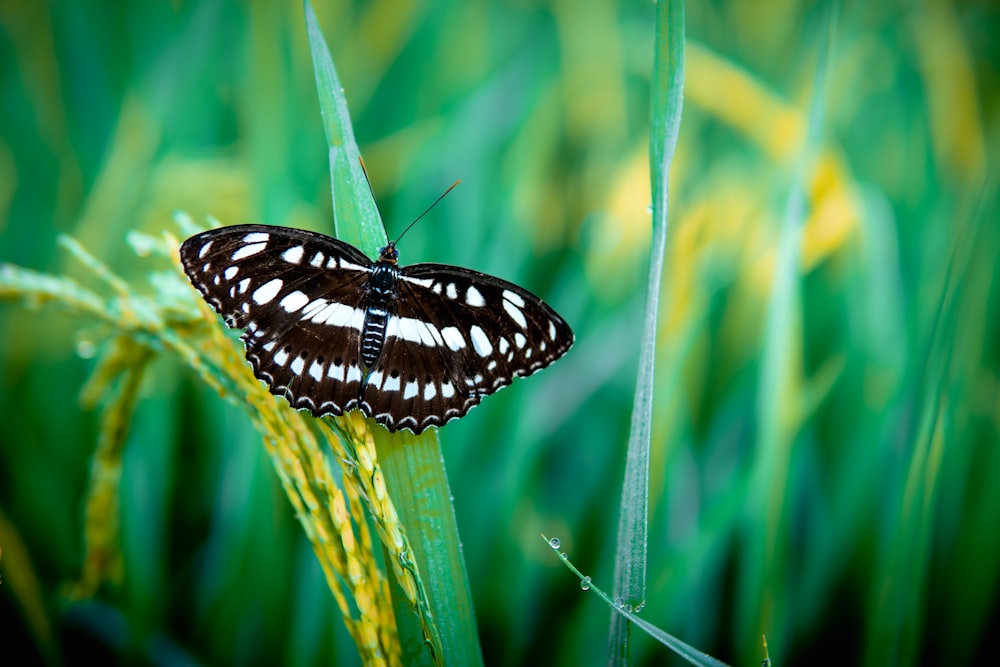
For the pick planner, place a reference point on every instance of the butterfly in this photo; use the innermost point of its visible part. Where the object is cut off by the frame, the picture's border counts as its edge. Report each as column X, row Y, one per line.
column 333, row 331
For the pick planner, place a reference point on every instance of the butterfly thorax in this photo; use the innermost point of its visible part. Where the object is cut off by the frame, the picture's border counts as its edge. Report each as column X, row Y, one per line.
column 381, row 288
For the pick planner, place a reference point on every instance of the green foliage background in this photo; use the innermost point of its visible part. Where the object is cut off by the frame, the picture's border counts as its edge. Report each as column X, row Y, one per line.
column 844, row 504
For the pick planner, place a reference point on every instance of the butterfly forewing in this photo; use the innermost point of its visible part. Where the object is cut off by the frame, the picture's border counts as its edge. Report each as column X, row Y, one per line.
column 447, row 336
column 299, row 296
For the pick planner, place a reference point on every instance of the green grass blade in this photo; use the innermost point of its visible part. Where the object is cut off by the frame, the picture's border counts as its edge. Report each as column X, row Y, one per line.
column 416, row 480
column 442, row 627
column 896, row 614
column 626, row 612
column 356, row 217
column 667, row 102
column 781, row 400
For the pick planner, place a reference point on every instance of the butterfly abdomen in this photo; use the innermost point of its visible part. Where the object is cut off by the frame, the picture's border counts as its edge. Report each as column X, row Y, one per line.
column 381, row 287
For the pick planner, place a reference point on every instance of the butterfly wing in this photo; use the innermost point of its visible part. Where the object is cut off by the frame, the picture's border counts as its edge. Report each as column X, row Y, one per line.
column 300, row 296
column 454, row 336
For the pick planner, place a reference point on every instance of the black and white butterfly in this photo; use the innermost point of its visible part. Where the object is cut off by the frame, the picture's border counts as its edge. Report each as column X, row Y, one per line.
column 332, row 331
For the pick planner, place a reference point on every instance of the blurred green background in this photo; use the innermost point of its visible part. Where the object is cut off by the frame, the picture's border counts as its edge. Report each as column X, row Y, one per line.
column 845, row 504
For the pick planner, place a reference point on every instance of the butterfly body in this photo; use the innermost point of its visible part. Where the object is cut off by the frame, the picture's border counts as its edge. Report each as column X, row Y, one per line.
column 332, row 331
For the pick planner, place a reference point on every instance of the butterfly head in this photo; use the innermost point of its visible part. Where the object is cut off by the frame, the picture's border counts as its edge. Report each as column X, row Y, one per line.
column 389, row 253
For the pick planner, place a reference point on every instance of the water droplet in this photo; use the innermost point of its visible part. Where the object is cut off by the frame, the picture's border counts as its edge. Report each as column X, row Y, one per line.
column 585, row 583
column 628, row 608
column 554, row 543
column 639, row 607
column 86, row 349
column 563, row 555
column 620, row 603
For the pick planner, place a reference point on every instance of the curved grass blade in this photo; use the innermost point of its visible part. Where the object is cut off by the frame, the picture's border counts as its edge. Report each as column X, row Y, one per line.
column 626, row 612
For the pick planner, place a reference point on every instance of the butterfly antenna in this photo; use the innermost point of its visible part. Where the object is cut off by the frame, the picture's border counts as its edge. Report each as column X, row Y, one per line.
column 426, row 211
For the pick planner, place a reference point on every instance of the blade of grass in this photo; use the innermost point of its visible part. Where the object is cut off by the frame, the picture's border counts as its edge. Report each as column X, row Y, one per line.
column 438, row 625
column 667, row 102
column 355, row 214
column 780, row 395
column 897, row 613
column 686, row 651
column 416, row 480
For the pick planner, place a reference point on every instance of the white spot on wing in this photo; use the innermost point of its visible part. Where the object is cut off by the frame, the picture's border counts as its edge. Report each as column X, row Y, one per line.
column 231, row 272
column 257, row 237
column 339, row 315
column 430, row 391
column 298, row 364
column 391, row 384
column 294, row 301
column 410, row 390
column 314, row 307
column 375, row 379
column 353, row 373
column 453, row 338
column 514, row 298
column 451, row 291
column 266, row 292
column 243, row 285
column 249, row 250
column 403, row 327
column 293, row 255
column 414, row 330
column 316, row 371
column 480, row 342
column 423, row 282
column 280, row 358
column 552, row 330
column 474, row 298
column 447, row 389
column 344, row 264
column 504, row 345
column 519, row 339
column 336, row 372
column 515, row 314
column 204, row 249
column 317, row 260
